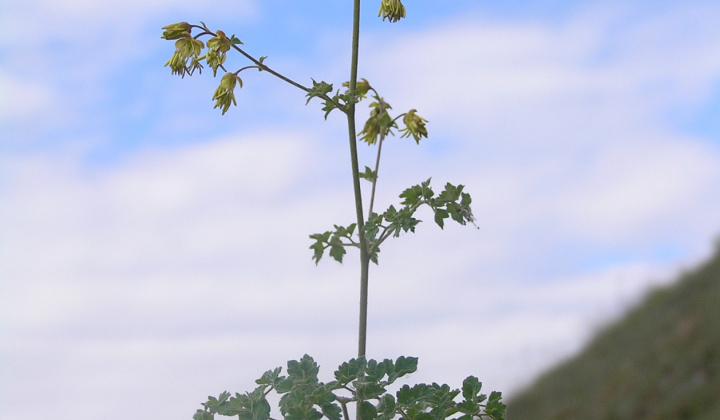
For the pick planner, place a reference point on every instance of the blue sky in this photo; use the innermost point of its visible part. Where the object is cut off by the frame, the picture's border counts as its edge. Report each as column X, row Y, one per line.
column 153, row 252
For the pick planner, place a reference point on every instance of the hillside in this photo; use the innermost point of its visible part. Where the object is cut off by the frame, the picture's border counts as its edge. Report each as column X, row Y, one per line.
column 661, row 361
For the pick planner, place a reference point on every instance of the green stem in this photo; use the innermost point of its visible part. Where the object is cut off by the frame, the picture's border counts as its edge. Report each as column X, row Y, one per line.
column 377, row 160
column 377, row 167
column 364, row 251
column 269, row 70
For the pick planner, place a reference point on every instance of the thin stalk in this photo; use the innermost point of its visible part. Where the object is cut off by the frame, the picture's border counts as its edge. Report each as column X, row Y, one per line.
column 377, row 160
column 377, row 167
column 364, row 251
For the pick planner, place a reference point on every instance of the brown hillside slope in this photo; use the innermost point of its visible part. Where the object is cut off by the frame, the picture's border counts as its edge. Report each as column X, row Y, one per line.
column 661, row 361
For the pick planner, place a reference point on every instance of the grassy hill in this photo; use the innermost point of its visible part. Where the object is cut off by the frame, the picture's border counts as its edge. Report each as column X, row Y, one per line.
column 661, row 361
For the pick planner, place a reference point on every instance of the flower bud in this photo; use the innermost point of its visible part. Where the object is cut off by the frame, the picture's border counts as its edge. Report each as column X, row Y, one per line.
column 176, row 30
column 225, row 93
column 414, row 126
column 361, row 87
column 393, row 10
column 220, row 42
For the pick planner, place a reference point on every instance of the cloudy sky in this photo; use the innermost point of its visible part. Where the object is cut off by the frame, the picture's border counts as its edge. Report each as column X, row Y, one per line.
column 153, row 252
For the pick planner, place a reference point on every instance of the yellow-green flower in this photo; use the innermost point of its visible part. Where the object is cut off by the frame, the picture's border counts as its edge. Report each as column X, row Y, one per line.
column 414, row 125
column 220, row 42
column 217, row 47
column 361, row 87
column 176, row 30
column 225, row 93
column 379, row 123
column 185, row 48
column 393, row 10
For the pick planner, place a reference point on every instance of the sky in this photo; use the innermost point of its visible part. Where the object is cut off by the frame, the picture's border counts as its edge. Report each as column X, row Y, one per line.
column 154, row 252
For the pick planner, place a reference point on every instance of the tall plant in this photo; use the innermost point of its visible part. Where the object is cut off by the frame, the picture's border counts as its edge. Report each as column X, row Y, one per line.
column 359, row 381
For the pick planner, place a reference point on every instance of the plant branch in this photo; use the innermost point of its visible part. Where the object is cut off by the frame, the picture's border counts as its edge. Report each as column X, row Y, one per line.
column 274, row 73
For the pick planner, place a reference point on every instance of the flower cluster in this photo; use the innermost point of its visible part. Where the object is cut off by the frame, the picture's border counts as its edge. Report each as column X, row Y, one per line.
column 217, row 47
column 186, row 49
column 225, row 93
column 379, row 123
column 361, row 87
column 393, row 10
column 187, row 58
column 414, row 126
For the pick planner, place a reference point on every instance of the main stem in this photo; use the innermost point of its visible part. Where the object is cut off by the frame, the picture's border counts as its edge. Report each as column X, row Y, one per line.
column 364, row 251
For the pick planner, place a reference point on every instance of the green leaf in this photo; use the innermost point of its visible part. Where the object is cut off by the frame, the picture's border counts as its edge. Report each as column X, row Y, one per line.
column 369, row 174
column 203, row 415
column 386, row 406
column 496, row 409
column 260, row 409
column 471, row 387
column 318, row 90
column 368, row 390
column 270, row 377
column 284, row 385
column 318, row 251
column 351, row 370
column 427, row 192
column 331, row 411
column 411, row 196
column 408, row 396
column 375, row 371
column 440, row 216
column 405, row 365
column 468, row 407
column 366, row 411
column 216, row 405
column 374, row 255
column 372, row 227
column 305, row 370
column 337, row 252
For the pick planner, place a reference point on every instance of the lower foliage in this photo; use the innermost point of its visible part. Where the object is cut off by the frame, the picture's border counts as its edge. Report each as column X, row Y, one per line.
column 361, row 382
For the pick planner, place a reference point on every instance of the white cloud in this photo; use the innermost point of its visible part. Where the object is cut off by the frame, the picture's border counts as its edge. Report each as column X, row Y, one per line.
column 22, row 100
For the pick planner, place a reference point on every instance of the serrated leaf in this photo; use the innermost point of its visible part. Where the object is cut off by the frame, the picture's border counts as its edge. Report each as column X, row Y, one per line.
column 350, row 370
column 270, row 377
column 318, row 251
column 405, row 365
column 407, row 396
column 471, row 388
column 337, row 252
column 319, row 89
column 387, row 405
column 366, row 411
column 331, row 411
column 368, row 390
column 411, row 196
column 369, row 174
column 284, row 385
column 374, row 371
column 306, row 369
column 440, row 216
column 203, row 415
column 374, row 255
column 261, row 410
column 468, row 407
